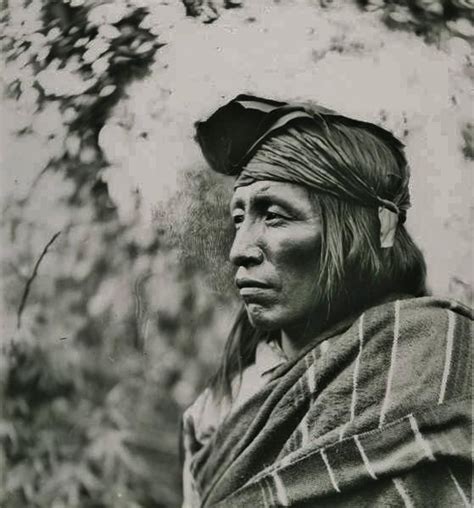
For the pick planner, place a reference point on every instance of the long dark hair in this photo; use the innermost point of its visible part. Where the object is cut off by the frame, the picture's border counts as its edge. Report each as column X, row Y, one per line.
column 355, row 272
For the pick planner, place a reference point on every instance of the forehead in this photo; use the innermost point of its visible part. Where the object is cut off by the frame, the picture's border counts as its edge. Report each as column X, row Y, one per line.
column 291, row 193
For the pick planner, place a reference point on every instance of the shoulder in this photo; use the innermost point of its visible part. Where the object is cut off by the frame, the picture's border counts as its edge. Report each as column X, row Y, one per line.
column 201, row 420
column 424, row 322
column 419, row 350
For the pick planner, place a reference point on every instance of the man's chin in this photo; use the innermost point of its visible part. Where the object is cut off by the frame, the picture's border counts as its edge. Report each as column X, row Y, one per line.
column 261, row 317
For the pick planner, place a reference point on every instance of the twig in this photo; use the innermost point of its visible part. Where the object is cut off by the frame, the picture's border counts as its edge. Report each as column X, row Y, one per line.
column 32, row 277
column 37, row 179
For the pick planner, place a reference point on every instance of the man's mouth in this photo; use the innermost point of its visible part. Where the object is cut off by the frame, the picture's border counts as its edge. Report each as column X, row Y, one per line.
column 246, row 283
column 253, row 293
column 254, row 290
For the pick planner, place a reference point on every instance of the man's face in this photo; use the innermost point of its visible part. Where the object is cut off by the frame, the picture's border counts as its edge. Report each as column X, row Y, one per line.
column 276, row 249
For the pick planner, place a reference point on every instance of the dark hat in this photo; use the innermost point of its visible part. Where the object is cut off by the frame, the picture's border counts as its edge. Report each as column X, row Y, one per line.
column 233, row 133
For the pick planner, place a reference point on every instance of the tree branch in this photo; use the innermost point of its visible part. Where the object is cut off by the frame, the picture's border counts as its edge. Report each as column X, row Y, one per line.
column 32, row 277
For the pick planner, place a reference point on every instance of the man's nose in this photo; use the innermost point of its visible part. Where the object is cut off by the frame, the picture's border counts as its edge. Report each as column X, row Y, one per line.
column 245, row 249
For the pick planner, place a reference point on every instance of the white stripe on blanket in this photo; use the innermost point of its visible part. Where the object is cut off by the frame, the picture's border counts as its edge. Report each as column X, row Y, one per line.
column 330, row 471
column 403, row 493
column 311, row 378
column 264, row 494
column 364, row 458
column 393, row 357
column 356, row 367
column 304, row 427
column 459, row 489
column 449, row 350
column 282, row 498
column 419, row 438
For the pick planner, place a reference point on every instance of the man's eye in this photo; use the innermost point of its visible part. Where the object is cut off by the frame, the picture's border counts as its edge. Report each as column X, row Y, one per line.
column 238, row 219
column 273, row 217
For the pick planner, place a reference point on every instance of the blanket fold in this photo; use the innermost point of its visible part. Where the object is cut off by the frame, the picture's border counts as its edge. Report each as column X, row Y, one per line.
column 358, row 420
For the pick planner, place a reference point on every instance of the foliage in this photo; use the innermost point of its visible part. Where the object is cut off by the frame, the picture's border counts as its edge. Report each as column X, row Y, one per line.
column 125, row 320
column 68, row 62
column 427, row 17
column 90, row 405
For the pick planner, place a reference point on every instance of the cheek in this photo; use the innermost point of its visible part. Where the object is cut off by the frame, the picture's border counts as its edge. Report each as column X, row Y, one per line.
column 298, row 258
column 298, row 268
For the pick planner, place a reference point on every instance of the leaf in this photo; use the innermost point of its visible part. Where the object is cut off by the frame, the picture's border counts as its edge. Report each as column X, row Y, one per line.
column 96, row 48
column 401, row 15
column 63, row 83
column 109, row 31
column 88, row 155
column 107, row 14
column 100, row 65
column 107, row 90
column 82, row 41
column 73, row 145
column 461, row 26
column 114, row 141
column 145, row 47
column 373, row 5
column 53, row 34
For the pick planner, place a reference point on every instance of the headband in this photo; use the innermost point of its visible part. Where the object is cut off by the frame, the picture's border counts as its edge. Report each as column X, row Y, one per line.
column 231, row 136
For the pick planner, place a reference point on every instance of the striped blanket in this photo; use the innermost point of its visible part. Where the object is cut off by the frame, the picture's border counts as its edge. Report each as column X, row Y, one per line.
column 377, row 414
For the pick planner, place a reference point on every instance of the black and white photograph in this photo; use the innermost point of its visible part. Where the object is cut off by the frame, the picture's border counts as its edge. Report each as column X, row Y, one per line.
column 236, row 253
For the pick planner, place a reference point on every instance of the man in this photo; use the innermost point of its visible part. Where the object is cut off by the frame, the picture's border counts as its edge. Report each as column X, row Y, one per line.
column 342, row 382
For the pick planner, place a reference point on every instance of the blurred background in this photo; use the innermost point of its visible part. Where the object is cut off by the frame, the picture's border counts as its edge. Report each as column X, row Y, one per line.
column 116, row 291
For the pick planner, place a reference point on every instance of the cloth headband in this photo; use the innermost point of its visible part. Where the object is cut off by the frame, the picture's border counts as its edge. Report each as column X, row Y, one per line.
column 232, row 135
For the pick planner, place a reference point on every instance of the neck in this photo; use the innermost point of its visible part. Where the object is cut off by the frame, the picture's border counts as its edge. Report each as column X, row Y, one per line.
column 294, row 339
column 289, row 347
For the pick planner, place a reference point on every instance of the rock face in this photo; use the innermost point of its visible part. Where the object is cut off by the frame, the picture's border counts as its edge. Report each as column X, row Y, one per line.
column 339, row 56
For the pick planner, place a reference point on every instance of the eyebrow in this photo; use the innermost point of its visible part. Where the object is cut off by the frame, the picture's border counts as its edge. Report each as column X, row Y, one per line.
column 263, row 197
column 240, row 202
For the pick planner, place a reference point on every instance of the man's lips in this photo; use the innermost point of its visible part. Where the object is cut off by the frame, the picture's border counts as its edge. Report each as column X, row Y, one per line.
column 253, row 290
column 244, row 283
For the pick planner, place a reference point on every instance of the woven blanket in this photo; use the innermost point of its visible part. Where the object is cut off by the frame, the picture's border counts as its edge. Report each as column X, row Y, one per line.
column 378, row 413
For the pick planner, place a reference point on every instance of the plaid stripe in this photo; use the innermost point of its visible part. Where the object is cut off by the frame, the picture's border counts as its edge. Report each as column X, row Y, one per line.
column 281, row 495
column 449, row 351
column 365, row 459
column 393, row 450
column 408, row 503
column 357, row 367
column 459, row 489
column 393, row 359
